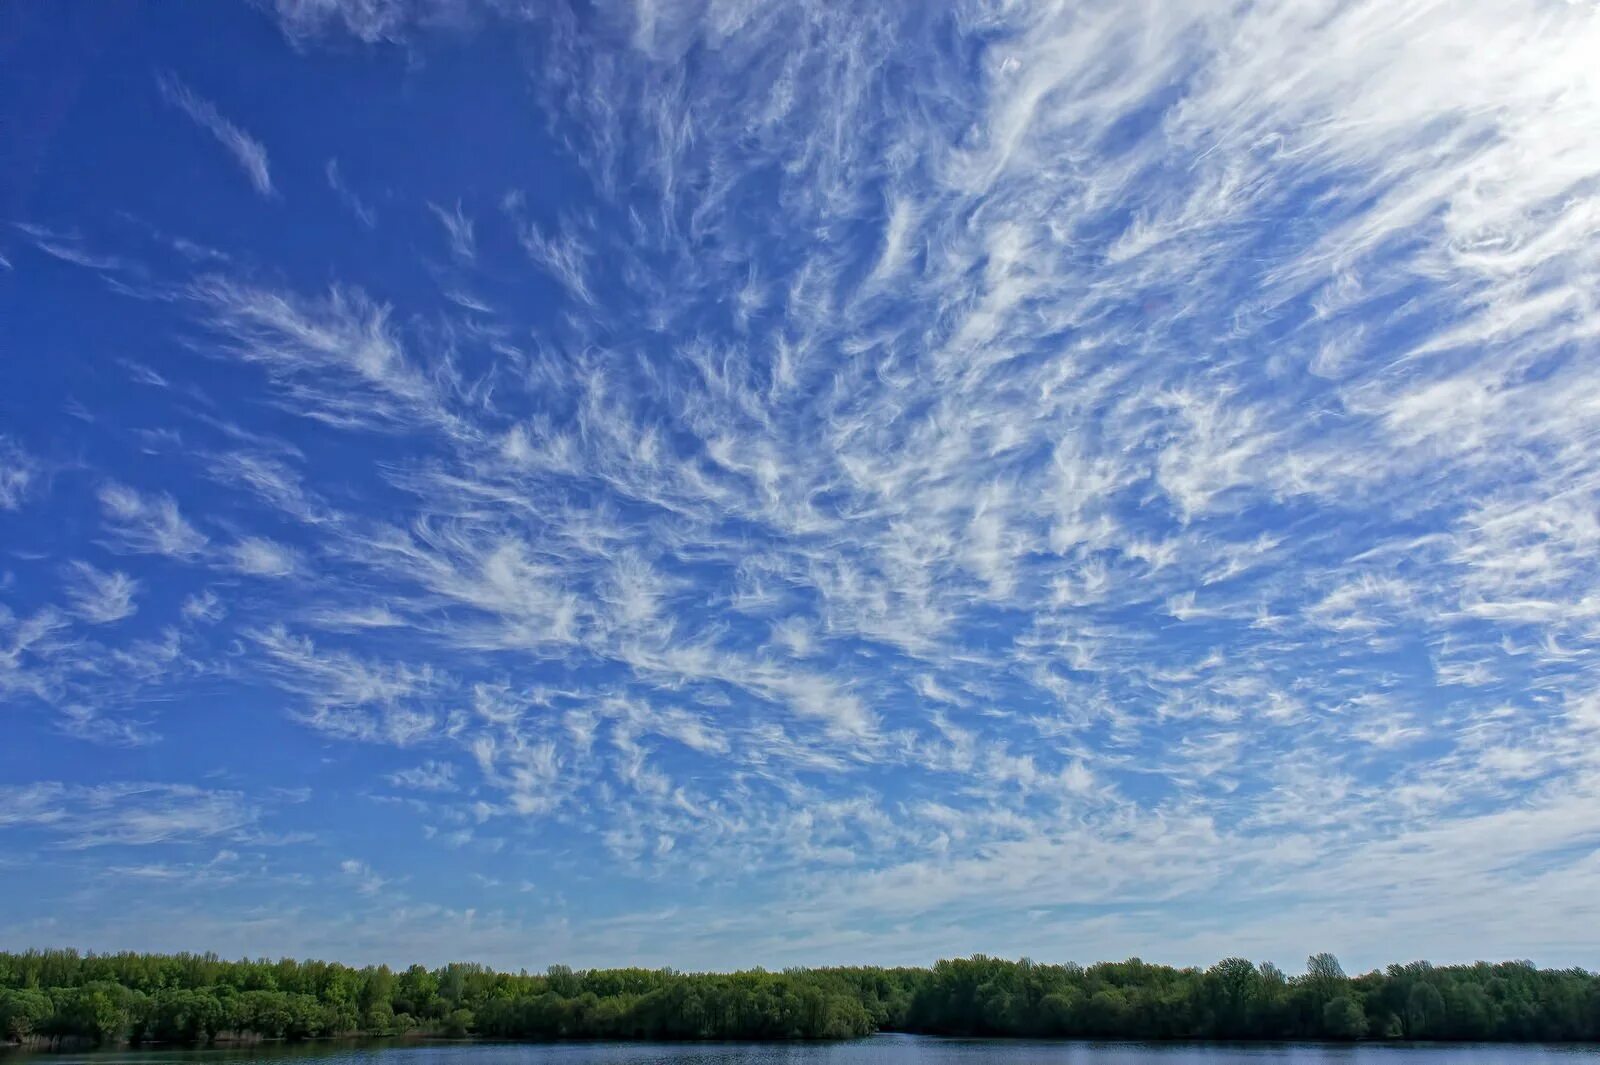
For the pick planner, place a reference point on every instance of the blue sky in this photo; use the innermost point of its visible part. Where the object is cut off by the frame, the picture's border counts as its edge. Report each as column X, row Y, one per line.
column 771, row 483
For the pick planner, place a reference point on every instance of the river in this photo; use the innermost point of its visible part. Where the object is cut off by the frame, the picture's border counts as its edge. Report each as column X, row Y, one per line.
column 876, row 1050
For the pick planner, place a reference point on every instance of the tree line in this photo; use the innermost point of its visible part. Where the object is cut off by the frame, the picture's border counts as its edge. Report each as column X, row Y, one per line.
column 61, row 995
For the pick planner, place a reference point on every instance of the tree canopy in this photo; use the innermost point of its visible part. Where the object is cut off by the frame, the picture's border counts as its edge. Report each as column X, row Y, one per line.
column 199, row 998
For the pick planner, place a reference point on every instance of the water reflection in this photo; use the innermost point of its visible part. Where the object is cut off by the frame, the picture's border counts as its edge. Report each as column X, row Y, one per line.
column 877, row 1050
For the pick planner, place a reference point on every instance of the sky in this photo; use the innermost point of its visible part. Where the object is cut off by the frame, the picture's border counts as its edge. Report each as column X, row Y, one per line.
column 733, row 483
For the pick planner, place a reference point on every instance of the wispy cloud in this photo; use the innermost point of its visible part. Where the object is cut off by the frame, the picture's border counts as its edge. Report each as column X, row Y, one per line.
column 19, row 474
column 430, row 776
column 148, row 524
column 348, row 696
column 100, row 597
column 249, row 153
column 347, row 196
column 458, row 227
column 125, row 814
column 260, row 557
column 204, row 606
column 369, row 20
column 360, row 873
column 340, row 358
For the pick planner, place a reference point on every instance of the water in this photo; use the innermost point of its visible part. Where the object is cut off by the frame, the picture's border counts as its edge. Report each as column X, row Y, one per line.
column 876, row 1050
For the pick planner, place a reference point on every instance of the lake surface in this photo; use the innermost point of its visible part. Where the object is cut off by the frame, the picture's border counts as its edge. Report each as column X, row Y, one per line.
column 876, row 1050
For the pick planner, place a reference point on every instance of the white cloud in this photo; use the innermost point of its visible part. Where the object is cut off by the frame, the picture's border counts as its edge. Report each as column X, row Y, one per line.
column 346, row 695
column 204, row 606
column 248, row 152
column 369, row 20
column 148, row 524
column 125, row 814
column 337, row 359
column 100, row 597
column 429, row 776
column 357, row 206
column 260, row 557
column 366, row 881
column 19, row 472
column 458, row 227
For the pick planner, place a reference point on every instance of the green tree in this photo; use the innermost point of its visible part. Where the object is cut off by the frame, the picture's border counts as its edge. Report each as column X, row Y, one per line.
column 416, row 991
column 23, row 1012
column 378, row 1019
column 98, row 1010
column 1234, row 990
column 189, row 998
column 1424, row 1011
column 1325, row 976
column 1343, row 1018
column 376, row 989
column 184, row 1016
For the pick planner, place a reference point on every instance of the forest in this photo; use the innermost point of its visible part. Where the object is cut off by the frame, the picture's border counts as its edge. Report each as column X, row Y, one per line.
column 64, row 997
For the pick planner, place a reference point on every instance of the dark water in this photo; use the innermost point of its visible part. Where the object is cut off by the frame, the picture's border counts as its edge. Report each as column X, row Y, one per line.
column 877, row 1050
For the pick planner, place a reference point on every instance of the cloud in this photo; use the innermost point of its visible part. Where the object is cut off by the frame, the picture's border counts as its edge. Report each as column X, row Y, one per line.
column 259, row 557
column 338, row 358
column 19, row 473
column 69, row 247
column 356, row 205
column 458, row 227
column 89, row 724
column 203, row 606
column 371, row 21
column 430, row 776
column 248, row 152
column 367, row 882
column 100, row 597
column 148, row 524
column 221, row 869
column 346, row 695
column 125, row 814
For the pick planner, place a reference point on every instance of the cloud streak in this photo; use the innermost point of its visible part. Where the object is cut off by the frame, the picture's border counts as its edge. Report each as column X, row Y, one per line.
column 249, row 153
